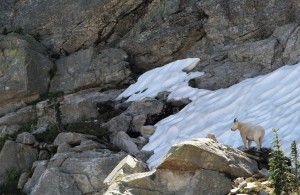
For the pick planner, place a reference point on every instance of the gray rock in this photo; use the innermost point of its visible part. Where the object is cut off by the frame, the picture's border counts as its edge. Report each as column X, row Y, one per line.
column 17, row 156
column 22, row 116
column 82, row 105
column 24, row 71
column 86, row 145
column 8, row 129
column 124, row 142
column 87, row 68
column 204, row 153
column 92, row 164
column 147, row 131
column 71, row 138
column 46, row 113
column 52, row 181
column 127, row 166
column 176, row 182
column 135, row 115
column 44, row 155
column 64, row 147
column 119, row 123
column 23, row 179
column 72, row 25
column 26, row 138
column 39, row 169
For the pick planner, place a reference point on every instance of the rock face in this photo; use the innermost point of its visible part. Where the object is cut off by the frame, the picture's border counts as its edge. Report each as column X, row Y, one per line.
column 24, row 71
column 88, row 68
column 65, row 27
column 204, row 153
column 16, row 156
column 173, row 182
column 73, row 173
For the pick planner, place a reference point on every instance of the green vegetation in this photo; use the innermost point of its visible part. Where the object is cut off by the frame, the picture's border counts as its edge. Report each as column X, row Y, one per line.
column 11, row 181
column 294, row 157
column 49, row 135
column 281, row 177
column 19, row 30
column 4, row 31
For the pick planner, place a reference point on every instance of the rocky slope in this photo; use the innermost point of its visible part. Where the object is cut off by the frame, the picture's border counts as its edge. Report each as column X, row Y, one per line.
column 63, row 63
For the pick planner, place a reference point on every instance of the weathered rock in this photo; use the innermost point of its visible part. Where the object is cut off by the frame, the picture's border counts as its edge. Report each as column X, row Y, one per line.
column 52, row 181
column 86, row 145
column 82, row 105
column 46, row 113
column 176, row 182
column 23, row 179
column 119, row 123
column 17, row 156
column 64, row 147
column 44, row 155
column 204, row 153
column 69, row 29
column 95, row 165
column 128, row 165
column 87, row 68
column 24, row 71
column 39, row 168
column 124, row 142
column 168, row 29
column 135, row 116
column 147, row 131
column 71, row 138
column 26, row 138
column 8, row 129
column 22, row 116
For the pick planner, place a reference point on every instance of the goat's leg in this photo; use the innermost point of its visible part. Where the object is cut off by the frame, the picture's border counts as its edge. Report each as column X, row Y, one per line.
column 249, row 144
column 258, row 144
column 245, row 143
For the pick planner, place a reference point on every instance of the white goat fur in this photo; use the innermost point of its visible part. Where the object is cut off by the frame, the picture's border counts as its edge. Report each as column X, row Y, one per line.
column 249, row 132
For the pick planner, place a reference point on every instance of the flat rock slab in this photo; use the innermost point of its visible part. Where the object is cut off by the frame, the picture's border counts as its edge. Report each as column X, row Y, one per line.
column 204, row 153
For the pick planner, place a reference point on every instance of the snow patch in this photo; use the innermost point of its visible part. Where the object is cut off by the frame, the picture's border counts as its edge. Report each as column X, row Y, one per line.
column 272, row 101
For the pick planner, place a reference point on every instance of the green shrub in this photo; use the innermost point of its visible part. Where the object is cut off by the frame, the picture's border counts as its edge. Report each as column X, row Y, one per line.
column 11, row 181
column 295, row 170
column 280, row 170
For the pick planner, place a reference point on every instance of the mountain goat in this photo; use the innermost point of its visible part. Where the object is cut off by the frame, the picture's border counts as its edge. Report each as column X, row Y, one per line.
column 249, row 132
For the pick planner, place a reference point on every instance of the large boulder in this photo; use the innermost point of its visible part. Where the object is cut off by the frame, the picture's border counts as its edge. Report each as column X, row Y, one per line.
column 88, row 68
column 204, row 153
column 16, row 156
column 167, row 182
column 82, row 105
column 53, row 181
column 73, row 173
column 24, row 70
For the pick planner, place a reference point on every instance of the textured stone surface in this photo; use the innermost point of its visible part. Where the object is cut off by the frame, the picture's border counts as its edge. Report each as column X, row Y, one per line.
column 26, row 138
column 53, row 181
column 16, row 156
column 204, row 153
column 24, row 71
column 71, row 138
column 128, row 165
column 173, row 182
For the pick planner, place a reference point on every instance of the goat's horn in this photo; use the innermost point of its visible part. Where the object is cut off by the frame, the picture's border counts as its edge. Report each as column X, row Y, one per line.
column 235, row 120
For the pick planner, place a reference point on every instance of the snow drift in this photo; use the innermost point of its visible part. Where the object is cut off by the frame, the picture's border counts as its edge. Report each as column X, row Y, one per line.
column 272, row 101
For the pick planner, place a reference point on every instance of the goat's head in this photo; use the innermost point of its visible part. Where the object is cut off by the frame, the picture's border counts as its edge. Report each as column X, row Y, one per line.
column 234, row 125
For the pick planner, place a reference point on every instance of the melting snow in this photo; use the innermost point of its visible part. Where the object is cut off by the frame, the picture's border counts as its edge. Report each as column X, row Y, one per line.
column 272, row 101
